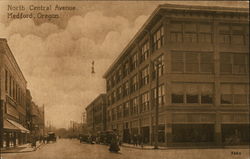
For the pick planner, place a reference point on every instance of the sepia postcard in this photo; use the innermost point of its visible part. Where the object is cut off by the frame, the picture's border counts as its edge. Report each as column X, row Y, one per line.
column 99, row 79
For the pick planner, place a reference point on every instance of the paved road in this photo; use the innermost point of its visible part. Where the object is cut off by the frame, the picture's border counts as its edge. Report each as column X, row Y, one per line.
column 72, row 149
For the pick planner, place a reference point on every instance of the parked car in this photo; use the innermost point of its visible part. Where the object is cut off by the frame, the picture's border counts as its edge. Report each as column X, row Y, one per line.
column 83, row 138
column 51, row 137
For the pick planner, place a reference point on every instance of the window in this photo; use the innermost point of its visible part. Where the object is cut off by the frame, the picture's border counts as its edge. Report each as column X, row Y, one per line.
column 158, row 38
column 190, row 32
column 134, row 83
column 193, row 62
column 232, row 34
column 113, row 113
column 206, row 62
column 109, row 99
column 206, row 94
column 145, row 51
column 134, row 61
column 145, row 76
column 10, row 85
column 205, row 38
column 119, row 112
column 161, row 96
column 187, row 93
column 134, row 106
column 177, row 93
column 225, row 63
column 126, row 68
column 6, row 81
column 119, row 93
column 16, row 92
column 14, row 89
column 239, row 63
column 145, row 102
column 234, row 63
column 113, row 80
column 192, row 94
column 126, row 109
column 126, row 89
column 237, row 36
column 108, row 84
column 119, row 75
column 224, row 34
column 177, row 62
column 234, row 93
column 158, row 63
column 113, row 97
column 176, row 32
column 205, row 33
column 109, row 115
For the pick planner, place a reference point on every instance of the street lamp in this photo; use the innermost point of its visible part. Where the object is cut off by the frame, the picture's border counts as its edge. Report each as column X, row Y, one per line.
column 157, row 64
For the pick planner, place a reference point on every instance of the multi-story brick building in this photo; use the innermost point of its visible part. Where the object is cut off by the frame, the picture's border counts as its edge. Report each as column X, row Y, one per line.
column 96, row 115
column 12, row 95
column 201, row 54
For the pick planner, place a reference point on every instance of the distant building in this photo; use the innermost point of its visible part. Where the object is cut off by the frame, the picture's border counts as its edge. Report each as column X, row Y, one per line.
column 13, row 126
column 202, row 56
column 96, row 115
column 37, row 120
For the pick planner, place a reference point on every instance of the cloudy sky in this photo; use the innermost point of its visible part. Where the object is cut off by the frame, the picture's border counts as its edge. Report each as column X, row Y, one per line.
column 55, row 55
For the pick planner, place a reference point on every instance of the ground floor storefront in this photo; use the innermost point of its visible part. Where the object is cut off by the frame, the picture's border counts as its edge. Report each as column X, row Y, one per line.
column 14, row 134
column 187, row 129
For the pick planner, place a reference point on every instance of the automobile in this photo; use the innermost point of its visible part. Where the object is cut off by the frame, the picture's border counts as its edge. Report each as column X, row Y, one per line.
column 105, row 137
column 51, row 137
column 83, row 138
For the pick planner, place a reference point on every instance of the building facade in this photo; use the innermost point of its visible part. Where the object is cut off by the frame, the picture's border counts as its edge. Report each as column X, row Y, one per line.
column 37, row 126
column 96, row 115
column 12, row 95
column 191, row 61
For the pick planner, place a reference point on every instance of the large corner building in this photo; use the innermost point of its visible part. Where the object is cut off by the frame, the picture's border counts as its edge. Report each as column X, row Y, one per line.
column 201, row 56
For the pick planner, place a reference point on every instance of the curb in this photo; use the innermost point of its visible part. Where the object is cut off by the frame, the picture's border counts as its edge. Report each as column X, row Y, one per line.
column 180, row 148
column 34, row 149
column 143, row 148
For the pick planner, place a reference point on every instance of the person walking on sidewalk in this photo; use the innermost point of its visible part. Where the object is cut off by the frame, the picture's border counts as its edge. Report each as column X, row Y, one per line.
column 140, row 141
column 135, row 140
column 33, row 142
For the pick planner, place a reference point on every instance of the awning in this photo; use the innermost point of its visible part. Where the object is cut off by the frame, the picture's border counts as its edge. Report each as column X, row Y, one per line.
column 10, row 124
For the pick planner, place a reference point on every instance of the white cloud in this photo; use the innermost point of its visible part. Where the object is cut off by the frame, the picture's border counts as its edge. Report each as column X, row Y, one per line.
column 57, row 62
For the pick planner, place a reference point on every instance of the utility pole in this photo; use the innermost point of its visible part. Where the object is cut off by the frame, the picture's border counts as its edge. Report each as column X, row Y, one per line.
column 1, row 122
column 43, row 120
column 157, row 64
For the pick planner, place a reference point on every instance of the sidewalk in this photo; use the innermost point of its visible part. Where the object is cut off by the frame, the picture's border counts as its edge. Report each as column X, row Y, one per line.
column 151, row 147
column 145, row 147
column 22, row 148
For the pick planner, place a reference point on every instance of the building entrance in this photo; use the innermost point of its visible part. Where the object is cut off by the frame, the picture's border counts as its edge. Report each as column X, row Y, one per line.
column 235, row 134
column 145, row 134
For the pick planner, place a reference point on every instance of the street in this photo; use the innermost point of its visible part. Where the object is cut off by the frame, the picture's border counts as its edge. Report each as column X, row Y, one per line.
column 73, row 149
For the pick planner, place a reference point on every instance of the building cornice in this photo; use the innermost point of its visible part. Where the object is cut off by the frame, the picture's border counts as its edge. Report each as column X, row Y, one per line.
column 172, row 7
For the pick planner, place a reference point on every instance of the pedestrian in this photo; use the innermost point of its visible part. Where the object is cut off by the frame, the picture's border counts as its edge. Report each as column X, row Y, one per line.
column 33, row 142
column 140, row 141
column 135, row 140
column 114, row 145
column 44, row 138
